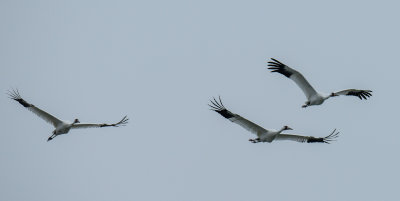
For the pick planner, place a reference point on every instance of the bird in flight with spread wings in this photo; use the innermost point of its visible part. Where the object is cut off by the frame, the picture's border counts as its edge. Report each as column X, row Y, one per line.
column 313, row 97
column 265, row 135
column 61, row 127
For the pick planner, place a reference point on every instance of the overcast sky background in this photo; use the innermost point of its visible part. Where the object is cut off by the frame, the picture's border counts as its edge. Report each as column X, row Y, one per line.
column 159, row 62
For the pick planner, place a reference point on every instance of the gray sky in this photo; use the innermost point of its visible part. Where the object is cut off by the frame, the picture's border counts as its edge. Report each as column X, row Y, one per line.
column 159, row 62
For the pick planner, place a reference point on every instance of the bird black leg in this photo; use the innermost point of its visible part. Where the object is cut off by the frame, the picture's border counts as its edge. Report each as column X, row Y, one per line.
column 254, row 140
column 306, row 104
column 51, row 137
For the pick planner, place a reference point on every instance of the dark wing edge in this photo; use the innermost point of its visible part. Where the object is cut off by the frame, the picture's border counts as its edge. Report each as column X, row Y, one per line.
column 277, row 66
column 361, row 94
column 123, row 122
column 14, row 94
column 217, row 106
column 220, row 108
column 298, row 78
column 328, row 139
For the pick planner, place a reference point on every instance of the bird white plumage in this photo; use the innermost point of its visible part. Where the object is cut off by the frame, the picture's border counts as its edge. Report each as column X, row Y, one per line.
column 313, row 97
column 265, row 135
column 61, row 127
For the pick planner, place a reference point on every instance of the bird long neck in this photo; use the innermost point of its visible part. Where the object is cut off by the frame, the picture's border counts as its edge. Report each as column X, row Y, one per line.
column 280, row 131
column 326, row 97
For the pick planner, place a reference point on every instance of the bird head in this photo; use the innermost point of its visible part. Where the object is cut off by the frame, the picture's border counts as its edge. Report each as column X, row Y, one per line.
column 76, row 121
column 287, row 128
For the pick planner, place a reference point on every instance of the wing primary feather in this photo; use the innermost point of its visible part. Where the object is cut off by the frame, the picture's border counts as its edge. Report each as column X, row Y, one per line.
column 217, row 106
column 277, row 66
column 298, row 78
column 123, row 122
column 14, row 94
column 219, row 97
column 331, row 137
column 276, row 61
column 361, row 94
column 212, row 107
column 220, row 108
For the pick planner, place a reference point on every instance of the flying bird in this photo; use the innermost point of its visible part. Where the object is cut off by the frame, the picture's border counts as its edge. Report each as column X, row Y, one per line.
column 313, row 97
column 265, row 135
column 61, row 127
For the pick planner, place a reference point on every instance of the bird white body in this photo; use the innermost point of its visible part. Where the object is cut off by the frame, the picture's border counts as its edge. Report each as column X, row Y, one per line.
column 63, row 128
column 263, row 135
column 269, row 136
column 317, row 99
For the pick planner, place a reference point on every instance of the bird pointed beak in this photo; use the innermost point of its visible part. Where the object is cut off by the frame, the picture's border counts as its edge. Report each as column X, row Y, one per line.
column 288, row 128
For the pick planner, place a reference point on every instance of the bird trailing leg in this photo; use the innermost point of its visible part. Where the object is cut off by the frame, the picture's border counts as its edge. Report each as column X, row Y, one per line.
column 254, row 140
column 51, row 137
column 306, row 104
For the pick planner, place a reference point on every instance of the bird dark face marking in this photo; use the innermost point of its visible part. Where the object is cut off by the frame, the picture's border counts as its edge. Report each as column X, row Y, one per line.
column 287, row 128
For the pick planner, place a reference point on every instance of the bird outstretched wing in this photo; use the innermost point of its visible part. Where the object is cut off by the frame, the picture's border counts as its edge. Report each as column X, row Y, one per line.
column 309, row 139
column 123, row 122
column 298, row 78
column 14, row 94
column 361, row 94
column 235, row 118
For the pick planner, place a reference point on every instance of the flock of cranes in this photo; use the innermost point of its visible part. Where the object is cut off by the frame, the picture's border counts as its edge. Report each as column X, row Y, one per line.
column 263, row 135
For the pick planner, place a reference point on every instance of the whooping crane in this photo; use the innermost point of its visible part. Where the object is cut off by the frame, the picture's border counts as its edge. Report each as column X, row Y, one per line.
column 61, row 127
column 314, row 98
column 264, row 135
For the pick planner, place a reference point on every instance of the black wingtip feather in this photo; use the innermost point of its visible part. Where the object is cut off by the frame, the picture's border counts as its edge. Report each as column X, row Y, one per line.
column 123, row 122
column 220, row 108
column 14, row 94
column 328, row 139
column 277, row 66
column 361, row 94
column 314, row 140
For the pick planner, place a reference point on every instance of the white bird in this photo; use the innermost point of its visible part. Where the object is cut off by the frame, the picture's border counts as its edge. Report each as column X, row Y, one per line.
column 264, row 135
column 61, row 127
column 314, row 98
